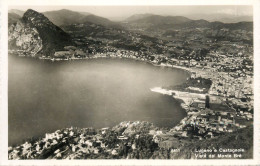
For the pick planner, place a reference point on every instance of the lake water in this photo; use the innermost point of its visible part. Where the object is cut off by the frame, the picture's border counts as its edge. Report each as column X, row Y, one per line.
column 44, row 96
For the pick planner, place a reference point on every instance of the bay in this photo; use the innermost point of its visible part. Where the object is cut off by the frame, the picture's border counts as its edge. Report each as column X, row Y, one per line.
column 45, row 96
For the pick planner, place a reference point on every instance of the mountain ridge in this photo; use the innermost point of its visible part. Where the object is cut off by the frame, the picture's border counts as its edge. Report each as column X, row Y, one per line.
column 13, row 18
column 224, row 18
column 158, row 19
column 156, row 22
column 16, row 11
column 137, row 17
column 65, row 17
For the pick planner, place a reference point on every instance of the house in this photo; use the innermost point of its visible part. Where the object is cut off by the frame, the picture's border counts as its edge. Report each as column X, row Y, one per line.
column 220, row 128
column 114, row 152
column 133, row 146
column 201, row 105
column 184, row 134
column 209, row 135
column 230, row 130
column 62, row 54
column 79, row 53
column 89, row 143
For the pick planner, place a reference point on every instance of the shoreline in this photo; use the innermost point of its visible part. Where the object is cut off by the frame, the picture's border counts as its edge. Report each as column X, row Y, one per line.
column 137, row 59
column 185, row 101
column 96, row 56
column 119, row 58
column 188, row 70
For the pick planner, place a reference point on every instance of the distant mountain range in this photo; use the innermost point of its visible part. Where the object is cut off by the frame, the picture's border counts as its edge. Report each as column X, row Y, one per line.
column 157, row 19
column 138, row 17
column 225, row 18
column 15, row 11
column 65, row 17
column 14, row 15
column 221, row 17
column 50, row 31
column 13, row 18
column 157, row 22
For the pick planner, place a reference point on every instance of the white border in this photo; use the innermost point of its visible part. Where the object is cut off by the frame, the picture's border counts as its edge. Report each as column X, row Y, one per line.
column 4, row 69
column 128, row 2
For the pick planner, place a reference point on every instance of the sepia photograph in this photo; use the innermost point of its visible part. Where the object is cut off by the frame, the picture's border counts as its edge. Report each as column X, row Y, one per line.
column 130, row 82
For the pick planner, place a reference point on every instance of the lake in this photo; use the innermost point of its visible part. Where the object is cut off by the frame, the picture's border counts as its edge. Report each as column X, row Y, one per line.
column 45, row 96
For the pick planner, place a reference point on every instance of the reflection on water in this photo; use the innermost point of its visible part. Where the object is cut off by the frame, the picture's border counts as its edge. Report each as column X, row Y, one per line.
column 45, row 96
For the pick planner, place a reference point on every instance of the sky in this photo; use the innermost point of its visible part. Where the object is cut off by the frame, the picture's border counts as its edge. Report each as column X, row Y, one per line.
column 122, row 12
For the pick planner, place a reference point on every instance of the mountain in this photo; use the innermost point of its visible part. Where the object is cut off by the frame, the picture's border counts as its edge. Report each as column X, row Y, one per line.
column 14, row 15
column 35, row 34
column 15, row 11
column 137, row 17
column 85, row 13
column 158, row 20
column 155, row 22
column 248, row 26
column 100, row 21
column 13, row 18
column 235, row 19
column 66, row 17
column 221, row 17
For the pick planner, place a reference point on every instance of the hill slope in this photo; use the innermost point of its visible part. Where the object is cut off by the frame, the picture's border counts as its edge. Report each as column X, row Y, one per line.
column 157, row 22
column 67, row 17
column 13, row 18
column 15, row 11
column 138, row 17
column 157, row 19
column 128, row 140
column 64, row 17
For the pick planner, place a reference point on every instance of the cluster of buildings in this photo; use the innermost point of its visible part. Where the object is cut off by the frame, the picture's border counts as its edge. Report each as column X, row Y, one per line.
column 74, row 143
column 60, row 144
